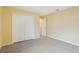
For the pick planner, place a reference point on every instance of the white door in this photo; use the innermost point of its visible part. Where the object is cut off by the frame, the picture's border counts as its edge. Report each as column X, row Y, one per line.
column 29, row 32
column 22, row 27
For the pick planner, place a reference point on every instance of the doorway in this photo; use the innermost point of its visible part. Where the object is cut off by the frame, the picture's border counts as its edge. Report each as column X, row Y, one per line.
column 42, row 26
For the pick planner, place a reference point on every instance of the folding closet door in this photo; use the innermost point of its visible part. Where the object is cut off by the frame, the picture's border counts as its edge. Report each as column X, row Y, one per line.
column 22, row 27
column 29, row 30
column 17, row 28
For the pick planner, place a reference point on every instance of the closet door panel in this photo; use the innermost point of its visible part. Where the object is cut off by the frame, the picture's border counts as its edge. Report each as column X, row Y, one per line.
column 17, row 28
column 29, row 32
column 22, row 27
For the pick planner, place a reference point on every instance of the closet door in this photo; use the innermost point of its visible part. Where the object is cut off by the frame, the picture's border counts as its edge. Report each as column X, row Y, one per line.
column 17, row 27
column 29, row 31
column 22, row 27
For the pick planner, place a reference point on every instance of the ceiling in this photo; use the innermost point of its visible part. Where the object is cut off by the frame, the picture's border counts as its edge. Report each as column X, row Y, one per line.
column 43, row 10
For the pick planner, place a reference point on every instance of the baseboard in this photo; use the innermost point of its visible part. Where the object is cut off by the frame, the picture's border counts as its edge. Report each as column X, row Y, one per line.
column 7, row 44
column 26, row 39
column 62, row 40
column 0, row 47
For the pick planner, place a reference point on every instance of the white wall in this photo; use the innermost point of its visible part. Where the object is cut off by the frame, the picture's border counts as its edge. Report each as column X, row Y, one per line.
column 64, row 25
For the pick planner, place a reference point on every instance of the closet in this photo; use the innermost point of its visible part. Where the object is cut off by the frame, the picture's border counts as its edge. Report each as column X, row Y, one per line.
column 22, row 27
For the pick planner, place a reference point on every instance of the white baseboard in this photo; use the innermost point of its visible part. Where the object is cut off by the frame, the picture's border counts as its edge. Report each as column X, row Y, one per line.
column 7, row 44
column 63, row 40
column 27, row 39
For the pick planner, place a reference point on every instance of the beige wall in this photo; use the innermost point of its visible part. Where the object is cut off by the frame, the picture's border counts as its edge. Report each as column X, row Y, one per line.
column 64, row 25
column 6, row 23
column 6, row 26
column 0, row 25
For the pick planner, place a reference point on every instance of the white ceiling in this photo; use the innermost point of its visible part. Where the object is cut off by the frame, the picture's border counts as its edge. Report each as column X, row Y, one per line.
column 42, row 10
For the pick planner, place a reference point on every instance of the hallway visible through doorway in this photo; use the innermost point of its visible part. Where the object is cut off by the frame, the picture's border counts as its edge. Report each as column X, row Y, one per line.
column 42, row 26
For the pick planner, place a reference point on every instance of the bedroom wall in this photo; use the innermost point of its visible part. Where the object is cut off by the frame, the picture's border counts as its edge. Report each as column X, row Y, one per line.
column 0, row 26
column 64, row 25
column 7, row 23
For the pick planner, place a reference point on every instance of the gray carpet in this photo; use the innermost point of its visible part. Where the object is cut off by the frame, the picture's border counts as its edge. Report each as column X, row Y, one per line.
column 42, row 45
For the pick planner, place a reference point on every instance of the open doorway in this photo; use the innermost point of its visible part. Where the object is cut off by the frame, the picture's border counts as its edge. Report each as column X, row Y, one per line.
column 42, row 26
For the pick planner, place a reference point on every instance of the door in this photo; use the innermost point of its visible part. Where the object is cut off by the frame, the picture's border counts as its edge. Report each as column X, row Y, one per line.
column 29, row 31
column 22, row 27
